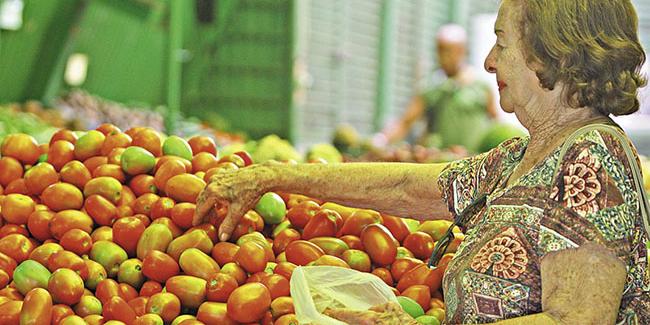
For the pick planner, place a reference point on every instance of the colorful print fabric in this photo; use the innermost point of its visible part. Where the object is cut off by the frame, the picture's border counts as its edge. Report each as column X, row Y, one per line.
column 495, row 274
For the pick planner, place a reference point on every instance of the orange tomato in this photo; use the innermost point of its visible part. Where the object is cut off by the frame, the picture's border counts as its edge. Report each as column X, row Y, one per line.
column 278, row 285
column 10, row 170
column 219, row 286
column 288, row 319
column 159, row 266
column 75, row 173
column 70, row 219
column 165, row 304
column 403, row 265
column 282, row 306
column 110, row 170
column 59, row 312
column 353, row 242
column 358, row 260
column 63, row 134
column 420, row 244
column 139, row 305
column 115, row 156
column 162, row 208
column 65, row 259
column 224, row 252
column 201, row 143
column 60, row 153
column 149, row 139
column 89, row 145
column 380, row 244
column 164, row 159
column 102, row 211
column 21, row 146
column 285, row 269
column 16, row 208
column 330, row 260
column 66, row 286
column 203, row 161
column 167, row 222
column 37, row 307
column 324, row 223
column 16, row 246
column 10, row 312
column 252, row 257
column 150, row 288
column 41, row 254
column 108, row 129
column 302, row 252
column 118, row 309
column 420, row 293
column 214, row 313
column 397, row 227
column 7, row 264
column 16, row 187
column 189, row 289
column 62, row 196
column 421, row 274
column 168, row 170
column 300, row 214
column 249, row 303
column 184, row 187
column 142, row 184
column 197, row 263
column 112, row 141
column 9, row 229
column 143, row 204
column 358, row 220
column 127, row 232
column 182, row 214
column 197, row 238
column 235, row 271
column 283, row 239
column 96, row 273
column 77, row 241
column 102, row 233
column 106, row 289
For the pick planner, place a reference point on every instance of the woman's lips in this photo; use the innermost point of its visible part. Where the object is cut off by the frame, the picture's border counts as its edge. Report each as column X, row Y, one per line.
column 501, row 85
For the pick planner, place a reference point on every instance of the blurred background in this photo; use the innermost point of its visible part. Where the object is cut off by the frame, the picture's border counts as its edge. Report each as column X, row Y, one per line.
column 307, row 71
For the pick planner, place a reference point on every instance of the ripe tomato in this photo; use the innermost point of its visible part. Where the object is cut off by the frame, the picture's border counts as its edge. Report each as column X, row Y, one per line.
column 102, row 233
column 421, row 274
column 112, row 141
column 197, row 263
column 63, row 134
column 197, row 238
column 16, row 187
column 94, row 162
column 278, row 285
column 182, row 214
column 127, row 197
column 252, row 257
column 331, row 261
column 420, row 293
column 249, row 303
column 397, row 226
column 127, row 232
column 420, row 244
column 9, row 229
column 143, row 183
column 39, row 177
column 16, row 246
column 7, row 264
column 162, row 208
column 88, row 305
column 109, row 170
column 165, row 304
column 60, row 153
column 358, row 220
column 281, row 306
column 167, row 222
column 148, row 139
column 285, row 269
column 403, row 265
column 116, row 308
column 150, row 288
column 115, row 156
column 70, row 219
column 108, row 187
column 16, row 208
column 189, row 289
column 69, row 260
column 59, row 312
column 66, row 286
column 300, row 214
column 10, row 312
column 108, row 129
column 324, row 223
column 214, row 313
column 10, row 170
column 331, row 245
column 164, row 159
column 106, row 289
column 203, row 161
column 353, row 242
column 201, row 143
column 283, row 239
column 143, row 204
column 224, row 252
column 288, row 319
column 37, row 307
column 184, row 187
column 139, row 305
column 75, row 173
column 96, row 273
column 302, row 252
column 384, row 274
column 379, row 243
column 219, row 286
column 159, row 266
column 21, row 146
column 62, row 196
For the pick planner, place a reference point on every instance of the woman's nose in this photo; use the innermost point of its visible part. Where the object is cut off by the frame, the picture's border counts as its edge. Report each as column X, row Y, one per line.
column 490, row 63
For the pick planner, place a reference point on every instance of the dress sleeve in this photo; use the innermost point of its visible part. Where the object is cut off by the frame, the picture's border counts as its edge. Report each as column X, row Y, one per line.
column 464, row 181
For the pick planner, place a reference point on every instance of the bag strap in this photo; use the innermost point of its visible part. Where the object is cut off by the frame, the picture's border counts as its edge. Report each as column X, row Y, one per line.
column 644, row 205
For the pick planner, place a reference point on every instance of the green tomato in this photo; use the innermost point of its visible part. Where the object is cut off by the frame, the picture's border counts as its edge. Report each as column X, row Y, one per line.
column 137, row 160
column 29, row 275
column 410, row 306
column 272, row 208
column 177, row 146
column 427, row 320
column 109, row 255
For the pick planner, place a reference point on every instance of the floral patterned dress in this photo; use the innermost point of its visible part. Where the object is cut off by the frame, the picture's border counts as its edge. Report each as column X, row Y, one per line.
column 495, row 274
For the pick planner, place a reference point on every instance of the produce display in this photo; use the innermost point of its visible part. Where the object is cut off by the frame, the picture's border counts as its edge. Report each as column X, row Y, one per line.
column 96, row 228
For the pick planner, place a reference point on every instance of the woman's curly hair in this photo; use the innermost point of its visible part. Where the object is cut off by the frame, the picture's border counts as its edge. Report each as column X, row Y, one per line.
column 591, row 46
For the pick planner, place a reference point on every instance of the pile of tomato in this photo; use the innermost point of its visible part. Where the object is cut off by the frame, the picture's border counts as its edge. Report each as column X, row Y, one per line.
column 96, row 228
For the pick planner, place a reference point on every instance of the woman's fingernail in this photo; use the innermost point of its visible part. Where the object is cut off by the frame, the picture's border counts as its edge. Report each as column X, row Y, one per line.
column 223, row 237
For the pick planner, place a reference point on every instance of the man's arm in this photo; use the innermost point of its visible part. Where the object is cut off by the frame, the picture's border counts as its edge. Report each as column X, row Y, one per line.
column 406, row 190
column 401, row 129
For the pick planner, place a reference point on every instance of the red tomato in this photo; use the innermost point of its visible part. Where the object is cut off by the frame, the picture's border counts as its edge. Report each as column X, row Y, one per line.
column 283, row 239
column 278, row 285
column 252, row 257
column 37, row 307
column 144, row 203
column 150, row 288
column 106, row 289
column 285, row 269
column 330, row 260
column 75, row 173
column 197, row 238
column 162, row 208
column 358, row 260
column 168, row 170
column 9, row 229
column 59, row 312
column 70, row 219
column 353, row 242
column 182, row 214
column 384, row 275
column 219, row 287
column 189, row 289
column 66, row 286
column 325, row 223
column 214, row 313
column 379, row 244
column 165, row 304
column 127, row 232
column 224, row 252
column 10, row 170
column 8, row 264
column 300, row 214
column 77, row 241
column 139, row 305
column 159, row 266
column 421, row 274
column 118, row 309
column 288, row 319
column 197, row 263
column 39, row 177
column 110, row 170
column 62, row 196
column 60, row 153
column 420, row 244
column 112, row 141
column 397, row 227
column 235, row 271
column 358, row 220
column 249, row 303
column 10, row 312
column 16, row 246
column 420, row 293
column 67, row 260
column 16, row 208
column 302, row 252
column 403, row 265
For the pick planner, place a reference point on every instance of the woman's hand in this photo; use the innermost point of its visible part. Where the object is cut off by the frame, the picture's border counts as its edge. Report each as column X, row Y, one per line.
column 390, row 313
column 234, row 192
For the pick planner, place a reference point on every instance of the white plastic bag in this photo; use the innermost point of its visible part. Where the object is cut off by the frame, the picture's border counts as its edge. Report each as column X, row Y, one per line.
column 315, row 288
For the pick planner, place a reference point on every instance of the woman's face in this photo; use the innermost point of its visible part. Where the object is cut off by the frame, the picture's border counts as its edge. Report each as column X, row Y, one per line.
column 519, row 87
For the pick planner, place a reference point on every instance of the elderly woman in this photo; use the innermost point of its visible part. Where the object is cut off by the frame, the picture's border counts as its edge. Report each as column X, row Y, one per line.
column 554, row 229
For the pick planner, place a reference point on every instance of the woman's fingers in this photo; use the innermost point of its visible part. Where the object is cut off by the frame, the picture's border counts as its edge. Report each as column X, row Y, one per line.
column 235, row 212
column 204, row 203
